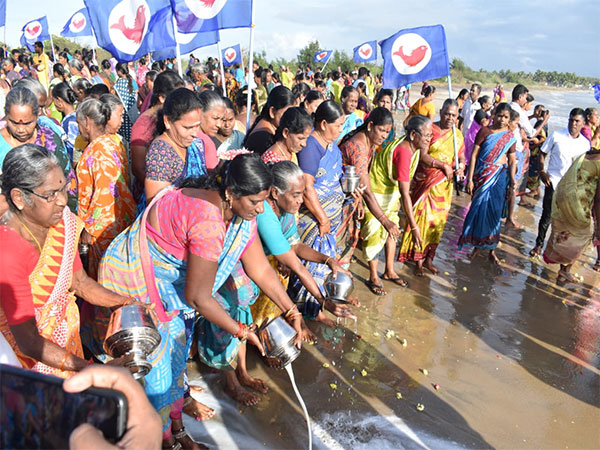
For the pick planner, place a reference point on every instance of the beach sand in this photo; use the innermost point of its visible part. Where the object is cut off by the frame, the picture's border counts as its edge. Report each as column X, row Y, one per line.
column 515, row 356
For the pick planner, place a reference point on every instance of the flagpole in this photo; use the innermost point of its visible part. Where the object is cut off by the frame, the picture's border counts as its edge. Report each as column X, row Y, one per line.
column 52, row 44
column 222, row 68
column 453, row 132
column 250, row 61
column 177, row 49
column 324, row 65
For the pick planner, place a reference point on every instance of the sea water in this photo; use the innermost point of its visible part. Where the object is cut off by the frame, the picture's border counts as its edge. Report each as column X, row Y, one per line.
column 290, row 372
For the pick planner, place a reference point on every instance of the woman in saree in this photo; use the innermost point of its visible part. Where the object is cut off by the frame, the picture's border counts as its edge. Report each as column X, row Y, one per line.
column 279, row 236
column 492, row 167
column 40, row 269
column 575, row 212
column 431, row 192
column 212, row 112
column 292, row 133
column 195, row 249
column 326, row 220
column 177, row 148
column 358, row 150
column 106, row 204
column 22, row 127
column 352, row 119
column 229, row 137
column 390, row 175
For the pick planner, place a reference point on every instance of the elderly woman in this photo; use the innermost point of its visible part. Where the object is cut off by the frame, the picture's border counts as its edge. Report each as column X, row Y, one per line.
column 40, row 269
column 291, row 136
column 281, row 243
column 195, row 250
column 229, row 136
column 390, row 176
column 324, row 220
column 106, row 204
column 144, row 129
column 352, row 120
column 431, row 193
column 261, row 135
column 176, row 153
column 212, row 112
column 22, row 127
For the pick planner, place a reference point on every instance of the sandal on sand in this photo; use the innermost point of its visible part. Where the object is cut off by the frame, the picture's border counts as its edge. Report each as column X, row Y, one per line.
column 535, row 251
column 376, row 289
column 398, row 281
column 596, row 266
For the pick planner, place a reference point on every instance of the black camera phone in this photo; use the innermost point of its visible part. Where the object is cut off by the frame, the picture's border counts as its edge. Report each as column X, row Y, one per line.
column 37, row 413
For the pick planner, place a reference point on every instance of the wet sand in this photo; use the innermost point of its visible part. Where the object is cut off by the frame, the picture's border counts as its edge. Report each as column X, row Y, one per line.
column 516, row 358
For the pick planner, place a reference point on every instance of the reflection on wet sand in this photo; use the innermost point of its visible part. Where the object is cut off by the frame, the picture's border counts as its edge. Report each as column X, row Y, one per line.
column 514, row 355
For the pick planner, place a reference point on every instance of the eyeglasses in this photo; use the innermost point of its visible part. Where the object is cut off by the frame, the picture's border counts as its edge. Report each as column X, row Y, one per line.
column 427, row 137
column 51, row 197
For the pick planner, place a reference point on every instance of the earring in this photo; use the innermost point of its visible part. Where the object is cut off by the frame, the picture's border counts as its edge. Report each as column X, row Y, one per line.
column 229, row 201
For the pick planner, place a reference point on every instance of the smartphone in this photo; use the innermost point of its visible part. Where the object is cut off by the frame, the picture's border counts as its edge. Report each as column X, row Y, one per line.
column 37, row 413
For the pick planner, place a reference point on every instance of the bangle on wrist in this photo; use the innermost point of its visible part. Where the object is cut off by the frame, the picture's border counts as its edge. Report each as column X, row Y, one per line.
column 327, row 260
column 62, row 363
column 292, row 312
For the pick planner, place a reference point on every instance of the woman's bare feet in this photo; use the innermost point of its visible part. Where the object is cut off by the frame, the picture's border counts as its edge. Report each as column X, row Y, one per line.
column 307, row 334
column 197, row 410
column 419, row 272
column 535, row 251
column 512, row 223
column 493, row 258
column 474, row 254
column 236, row 391
column 428, row 264
column 182, row 437
column 321, row 317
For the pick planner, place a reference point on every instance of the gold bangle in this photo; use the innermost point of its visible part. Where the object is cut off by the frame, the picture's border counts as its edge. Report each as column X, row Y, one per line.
column 327, row 260
column 62, row 364
column 292, row 310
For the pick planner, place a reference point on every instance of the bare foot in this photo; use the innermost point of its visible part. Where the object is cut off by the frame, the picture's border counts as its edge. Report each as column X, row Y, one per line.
column 474, row 254
column 419, row 272
column 493, row 258
column 241, row 395
column 511, row 223
column 247, row 380
column 354, row 301
column 273, row 363
column 307, row 334
column 197, row 410
column 196, row 389
column 325, row 320
column 535, row 251
column 428, row 264
column 182, row 437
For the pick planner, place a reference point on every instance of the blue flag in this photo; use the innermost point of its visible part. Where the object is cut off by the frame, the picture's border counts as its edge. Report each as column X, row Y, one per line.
column 129, row 29
column 2, row 13
column 597, row 92
column 188, row 42
column 232, row 55
column 36, row 30
column 195, row 16
column 365, row 52
column 78, row 25
column 415, row 54
column 322, row 56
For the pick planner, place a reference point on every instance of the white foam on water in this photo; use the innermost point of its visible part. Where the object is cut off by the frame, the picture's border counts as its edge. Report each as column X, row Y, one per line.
column 342, row 430
column 290, row 373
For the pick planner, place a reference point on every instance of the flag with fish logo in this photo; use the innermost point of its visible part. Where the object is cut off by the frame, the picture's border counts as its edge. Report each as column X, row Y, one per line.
column 36, row 30
column 232, row 55
column 365, row 52
column 413, row 55
column 129, row 29
column 322, row 56
column 194, row 16
column 78, row 25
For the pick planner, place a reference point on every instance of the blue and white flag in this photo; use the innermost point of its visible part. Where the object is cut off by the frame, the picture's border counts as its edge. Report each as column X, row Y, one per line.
column 231, row 55
column 322, row 56
column 195, row 16
column 78, row 25
column 36, row 30
column 597, row 92
column 188, row 42
column 2, row 13
column 129, row 29
column 365, row 52
column 413, row 55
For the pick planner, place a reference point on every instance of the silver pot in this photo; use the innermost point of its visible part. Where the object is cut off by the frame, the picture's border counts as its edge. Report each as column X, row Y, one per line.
column 350, row 180
column 132, row 330
column 338, row 290
column 277, row 338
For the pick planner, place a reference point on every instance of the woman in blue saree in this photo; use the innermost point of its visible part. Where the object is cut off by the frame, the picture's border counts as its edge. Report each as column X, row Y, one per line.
column 491, row 172
column 187, row 253
column 326, row 221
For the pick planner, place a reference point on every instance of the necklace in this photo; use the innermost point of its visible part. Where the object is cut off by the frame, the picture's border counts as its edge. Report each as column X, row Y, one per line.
column 30, row 233
column 282, row 151
column 175, row 146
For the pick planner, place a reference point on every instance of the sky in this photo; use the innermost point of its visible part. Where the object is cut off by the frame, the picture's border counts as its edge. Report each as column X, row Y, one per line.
column 520, row 35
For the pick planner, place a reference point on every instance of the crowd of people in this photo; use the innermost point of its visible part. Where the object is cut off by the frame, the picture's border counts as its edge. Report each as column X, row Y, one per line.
column 129, row 183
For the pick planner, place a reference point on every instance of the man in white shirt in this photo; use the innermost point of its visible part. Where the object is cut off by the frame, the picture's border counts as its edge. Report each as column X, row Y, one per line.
column 470, row 108
column 561, row 149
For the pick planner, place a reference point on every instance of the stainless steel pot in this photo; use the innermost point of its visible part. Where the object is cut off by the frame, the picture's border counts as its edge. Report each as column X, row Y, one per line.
column 338, row 290
column 277, row 338
column 132, row 330
column 350, row 180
